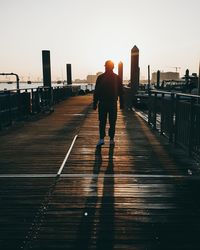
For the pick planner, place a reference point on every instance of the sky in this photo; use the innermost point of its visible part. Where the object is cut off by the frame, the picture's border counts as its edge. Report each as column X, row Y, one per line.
column 86, row 33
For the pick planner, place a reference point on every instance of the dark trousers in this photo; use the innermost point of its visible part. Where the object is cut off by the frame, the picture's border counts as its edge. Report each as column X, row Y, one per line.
column 107, row 110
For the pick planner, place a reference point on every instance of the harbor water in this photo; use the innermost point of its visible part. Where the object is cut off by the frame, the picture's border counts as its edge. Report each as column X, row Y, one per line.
column 25, row 85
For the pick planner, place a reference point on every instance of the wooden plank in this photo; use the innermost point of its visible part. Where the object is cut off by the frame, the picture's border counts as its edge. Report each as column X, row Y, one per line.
column 141, row 194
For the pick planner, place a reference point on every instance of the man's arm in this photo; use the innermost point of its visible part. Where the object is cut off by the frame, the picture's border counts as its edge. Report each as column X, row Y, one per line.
column 96, row 94
column 121, row 94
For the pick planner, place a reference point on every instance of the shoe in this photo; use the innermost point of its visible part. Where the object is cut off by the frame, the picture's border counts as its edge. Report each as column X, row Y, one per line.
column 100, row 143
column 112, row 142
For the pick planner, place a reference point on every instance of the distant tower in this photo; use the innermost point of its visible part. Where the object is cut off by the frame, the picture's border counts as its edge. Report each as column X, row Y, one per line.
column 135, row 71
column 120, row 71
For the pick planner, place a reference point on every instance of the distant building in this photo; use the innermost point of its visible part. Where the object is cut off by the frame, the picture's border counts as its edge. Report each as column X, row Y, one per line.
column 93, row 78
column 79, row 81
column 165, row 76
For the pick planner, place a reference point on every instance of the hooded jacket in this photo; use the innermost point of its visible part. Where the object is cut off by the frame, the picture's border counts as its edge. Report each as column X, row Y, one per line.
column 108, row 88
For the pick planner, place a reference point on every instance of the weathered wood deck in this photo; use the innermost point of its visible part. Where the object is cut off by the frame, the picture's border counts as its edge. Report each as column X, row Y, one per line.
column 142, row 194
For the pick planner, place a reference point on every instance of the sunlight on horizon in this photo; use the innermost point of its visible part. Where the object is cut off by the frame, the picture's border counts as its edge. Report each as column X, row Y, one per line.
column 86, row 33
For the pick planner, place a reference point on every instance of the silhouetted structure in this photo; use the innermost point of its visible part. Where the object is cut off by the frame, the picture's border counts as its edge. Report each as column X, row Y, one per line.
column 46, row 68
column 120, row 71
column 199, row 81
column 69, row 73
column 149, row 77
column 158, row 78
column 187, row 77
column 165, row 76
column 93, row 78
column 135, row 69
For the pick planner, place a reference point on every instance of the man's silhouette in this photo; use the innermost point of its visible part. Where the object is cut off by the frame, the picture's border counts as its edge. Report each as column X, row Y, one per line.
column 107, row 90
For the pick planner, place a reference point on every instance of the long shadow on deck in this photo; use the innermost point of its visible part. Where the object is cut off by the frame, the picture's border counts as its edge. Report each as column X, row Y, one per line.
column 106, row 232
column 99, row 233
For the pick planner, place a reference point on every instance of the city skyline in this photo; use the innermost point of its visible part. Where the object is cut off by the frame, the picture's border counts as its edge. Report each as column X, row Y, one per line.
column 87, row 33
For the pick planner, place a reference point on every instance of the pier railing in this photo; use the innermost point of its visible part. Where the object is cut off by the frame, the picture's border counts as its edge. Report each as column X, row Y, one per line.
column 17, row 105
column 177, row 116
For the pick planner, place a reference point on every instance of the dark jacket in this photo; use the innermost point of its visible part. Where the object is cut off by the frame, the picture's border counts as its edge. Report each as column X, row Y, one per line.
column 108, row 88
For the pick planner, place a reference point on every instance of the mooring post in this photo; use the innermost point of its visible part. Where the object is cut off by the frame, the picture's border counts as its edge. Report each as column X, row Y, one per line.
column 46, row 68
column 135, row 69
column 158, row 79
column 69, row 73
column 120, row 71
column 46, row 62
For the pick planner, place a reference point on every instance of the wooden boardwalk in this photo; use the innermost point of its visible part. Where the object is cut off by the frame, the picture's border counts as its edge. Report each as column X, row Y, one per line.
column 142, row 194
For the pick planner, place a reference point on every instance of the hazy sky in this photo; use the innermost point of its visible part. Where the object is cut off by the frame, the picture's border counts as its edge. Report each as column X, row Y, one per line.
column 88, row 32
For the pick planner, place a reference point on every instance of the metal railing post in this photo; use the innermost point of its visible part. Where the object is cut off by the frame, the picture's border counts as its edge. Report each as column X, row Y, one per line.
column 154, row 111
column 162, row 114
column 171, row 132
column 176, row 117
column 10, row 109
column 191, row 131
column 149, row 108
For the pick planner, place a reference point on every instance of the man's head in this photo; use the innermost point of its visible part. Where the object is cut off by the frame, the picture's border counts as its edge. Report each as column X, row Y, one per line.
column 109, row 65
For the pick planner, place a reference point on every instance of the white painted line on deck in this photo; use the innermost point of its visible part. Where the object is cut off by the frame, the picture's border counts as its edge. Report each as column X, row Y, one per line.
column 67, row 155
column 103, row 175
column 27, row 175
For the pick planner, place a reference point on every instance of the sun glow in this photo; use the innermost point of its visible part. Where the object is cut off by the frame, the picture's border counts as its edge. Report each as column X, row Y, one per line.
column 91, row 32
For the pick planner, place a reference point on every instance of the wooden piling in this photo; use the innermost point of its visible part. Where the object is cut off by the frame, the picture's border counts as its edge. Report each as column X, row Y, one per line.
column 69, row 73
column 135, row 69
column 46, row 68
column 158, row 79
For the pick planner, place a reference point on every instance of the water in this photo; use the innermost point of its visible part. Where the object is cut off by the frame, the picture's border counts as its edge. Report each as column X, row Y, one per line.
column 24, row 85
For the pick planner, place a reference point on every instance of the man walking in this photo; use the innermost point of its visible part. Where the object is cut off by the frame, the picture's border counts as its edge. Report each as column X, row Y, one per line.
column 107, row 90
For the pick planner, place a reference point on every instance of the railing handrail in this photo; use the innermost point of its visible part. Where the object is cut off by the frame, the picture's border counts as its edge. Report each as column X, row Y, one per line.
column 14, row 90
column 162, row 92
column 175, row 93
column 12, row 74
column 39, row 87
column 188, row 95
